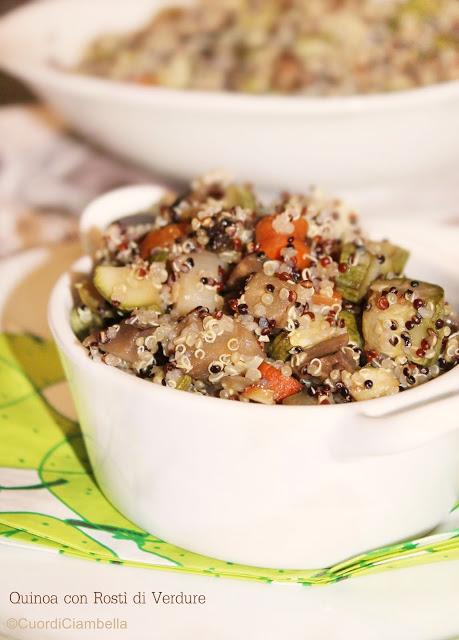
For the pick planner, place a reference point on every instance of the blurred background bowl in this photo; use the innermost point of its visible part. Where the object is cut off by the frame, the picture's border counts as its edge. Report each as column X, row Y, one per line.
column 378, row 144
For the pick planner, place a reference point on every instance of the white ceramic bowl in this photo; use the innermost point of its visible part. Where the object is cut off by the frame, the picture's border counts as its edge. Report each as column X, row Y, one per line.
column 275, row 486
column 276, row 142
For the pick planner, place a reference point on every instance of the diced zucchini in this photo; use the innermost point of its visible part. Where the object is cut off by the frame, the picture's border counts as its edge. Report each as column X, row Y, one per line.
column 239, row 196
column 84, row 321
column 122, row 287
column 184, row 383
column 92, row 299
column 393, row 325
column 313, row 332
column 350, row 321
column 373, row 382
column 364, row 268
column 392, row 259
column 279, row 348
column 365, row 264
column 160, row 255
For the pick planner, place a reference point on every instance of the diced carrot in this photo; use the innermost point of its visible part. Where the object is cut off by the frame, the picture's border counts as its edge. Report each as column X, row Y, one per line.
column 282, row 386
column 301, row 228
column 160, row 238
column 302, row 254
column 271, row 242
column 264, row 229
column 319, row 299
column 273, row 245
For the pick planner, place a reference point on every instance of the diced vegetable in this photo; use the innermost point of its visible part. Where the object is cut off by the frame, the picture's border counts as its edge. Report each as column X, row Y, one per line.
column 229, row 337
column 162, row 238
column 366, row 264
column 314, row 332
column 277, row 382
column 350, row 322
column 123, row 343
column 341, row 360
column 372, row 382
column 392, row 259
column 184, row 383
column 272, row 242
column 89, row 295
column 239, row 196
column 302, row 259
column 362, row 269
column 84, row 321
column 279, row 348
column 159, row 255
column 400, row 319
column 125, row 288
column 328, row 346
column 331, row 355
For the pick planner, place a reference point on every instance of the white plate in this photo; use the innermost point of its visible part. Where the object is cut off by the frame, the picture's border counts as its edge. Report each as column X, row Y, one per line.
column 412, row 604
column 359, row 143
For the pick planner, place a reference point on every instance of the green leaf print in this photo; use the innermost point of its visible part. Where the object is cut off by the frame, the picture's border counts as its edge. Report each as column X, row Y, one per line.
column 55, row 530
column 29, row 426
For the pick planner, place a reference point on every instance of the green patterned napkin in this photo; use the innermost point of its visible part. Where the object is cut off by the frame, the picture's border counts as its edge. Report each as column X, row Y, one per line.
column 49, row 498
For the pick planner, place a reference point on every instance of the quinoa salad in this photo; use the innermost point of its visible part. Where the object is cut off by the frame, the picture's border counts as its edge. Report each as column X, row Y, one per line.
column 213, row 292
column 310, row 47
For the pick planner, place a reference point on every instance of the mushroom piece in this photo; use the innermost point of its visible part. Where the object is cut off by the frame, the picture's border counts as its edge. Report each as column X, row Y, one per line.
column 342, row 360
column 330, row 354
column 327, row 347
column 201, row 342
column 122, row 342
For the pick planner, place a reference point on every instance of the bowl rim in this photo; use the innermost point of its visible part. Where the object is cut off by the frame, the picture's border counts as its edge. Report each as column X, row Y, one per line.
column 41, row 72
column 59, row 307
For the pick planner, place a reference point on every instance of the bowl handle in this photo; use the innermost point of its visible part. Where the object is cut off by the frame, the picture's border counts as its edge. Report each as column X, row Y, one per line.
column 409, row 425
